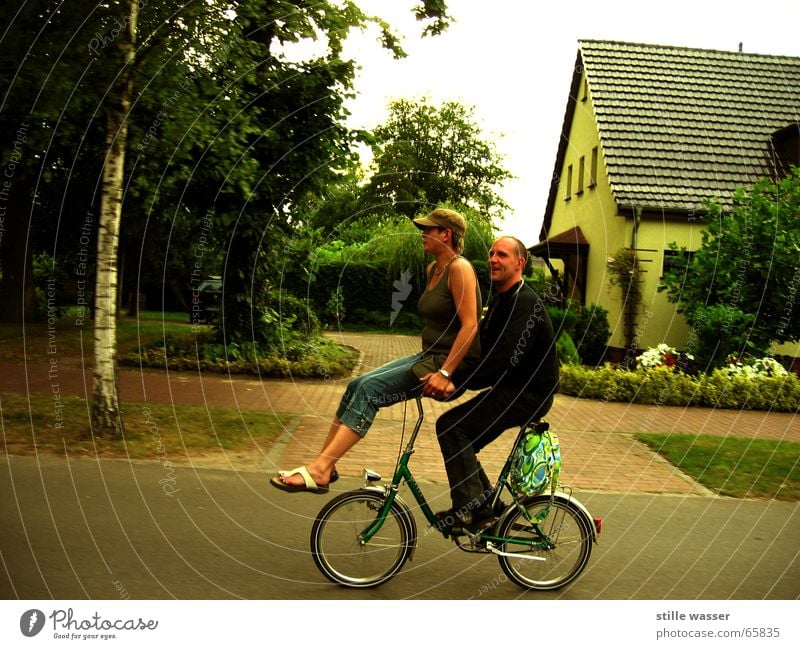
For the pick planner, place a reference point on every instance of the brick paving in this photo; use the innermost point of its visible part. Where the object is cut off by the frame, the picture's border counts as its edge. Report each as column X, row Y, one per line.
column 598, row 447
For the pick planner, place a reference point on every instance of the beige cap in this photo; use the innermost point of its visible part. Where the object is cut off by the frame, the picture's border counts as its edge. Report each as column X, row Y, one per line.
column 442, row 218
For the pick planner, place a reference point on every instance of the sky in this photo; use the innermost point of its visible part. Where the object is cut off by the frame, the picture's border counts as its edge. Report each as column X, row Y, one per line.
column 512, row 60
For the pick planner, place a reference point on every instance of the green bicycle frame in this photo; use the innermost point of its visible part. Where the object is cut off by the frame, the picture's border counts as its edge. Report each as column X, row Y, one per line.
column 403, row 473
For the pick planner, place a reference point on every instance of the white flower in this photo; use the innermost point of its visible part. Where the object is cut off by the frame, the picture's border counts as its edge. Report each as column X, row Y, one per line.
column 758, row 368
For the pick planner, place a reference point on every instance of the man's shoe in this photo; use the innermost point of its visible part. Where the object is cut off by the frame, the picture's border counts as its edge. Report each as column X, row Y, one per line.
column 447, row 521
column 483, row 517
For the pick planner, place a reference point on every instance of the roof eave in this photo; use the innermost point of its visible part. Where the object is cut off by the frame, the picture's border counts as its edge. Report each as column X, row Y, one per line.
column 562, row 145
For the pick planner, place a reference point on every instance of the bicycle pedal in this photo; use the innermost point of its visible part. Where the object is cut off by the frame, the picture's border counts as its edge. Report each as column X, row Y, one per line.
column 482, row 525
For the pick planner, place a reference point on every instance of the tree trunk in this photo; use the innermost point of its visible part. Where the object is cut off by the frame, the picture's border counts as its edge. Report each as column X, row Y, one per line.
column 106, row 417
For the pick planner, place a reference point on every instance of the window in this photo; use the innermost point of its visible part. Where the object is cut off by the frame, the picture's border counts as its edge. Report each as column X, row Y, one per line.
column 584, row 89
column 593, row 169
column 569, row 183
column 676, row 261
column 581, row 173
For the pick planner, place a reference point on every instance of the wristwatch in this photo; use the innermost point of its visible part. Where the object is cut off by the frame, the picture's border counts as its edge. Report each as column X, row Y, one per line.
column 444, row 373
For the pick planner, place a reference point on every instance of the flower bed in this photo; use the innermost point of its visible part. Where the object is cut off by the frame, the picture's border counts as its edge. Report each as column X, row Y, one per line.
column 660, row 379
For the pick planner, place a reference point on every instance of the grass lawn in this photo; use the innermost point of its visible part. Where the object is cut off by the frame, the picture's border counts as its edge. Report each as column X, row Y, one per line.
column 73, row 339
column 741, row 468
column 174, row 432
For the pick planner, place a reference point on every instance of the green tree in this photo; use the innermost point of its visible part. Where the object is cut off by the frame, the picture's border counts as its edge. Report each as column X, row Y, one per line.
column 739, row 291
column 281, row 138
column 182, row 116
column 426, row 155
column 40, row 96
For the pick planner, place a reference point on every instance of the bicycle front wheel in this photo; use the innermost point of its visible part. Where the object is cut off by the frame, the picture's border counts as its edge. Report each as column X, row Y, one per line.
column 549, row 554
column 337, row 544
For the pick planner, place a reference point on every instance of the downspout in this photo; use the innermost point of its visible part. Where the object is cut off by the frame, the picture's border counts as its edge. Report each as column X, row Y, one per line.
column 632, row 301
column 637, row 217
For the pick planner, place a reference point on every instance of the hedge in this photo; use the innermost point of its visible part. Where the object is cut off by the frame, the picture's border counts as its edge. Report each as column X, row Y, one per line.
column 666, row 387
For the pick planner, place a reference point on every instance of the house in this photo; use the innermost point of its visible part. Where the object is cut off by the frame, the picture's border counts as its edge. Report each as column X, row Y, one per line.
column 649, row 133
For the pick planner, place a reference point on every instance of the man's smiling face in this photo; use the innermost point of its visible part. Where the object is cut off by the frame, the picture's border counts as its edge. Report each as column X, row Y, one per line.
column 505, row 264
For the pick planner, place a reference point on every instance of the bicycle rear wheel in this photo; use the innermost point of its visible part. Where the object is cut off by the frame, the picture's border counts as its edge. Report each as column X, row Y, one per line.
column 550, row 554
column 337, row 546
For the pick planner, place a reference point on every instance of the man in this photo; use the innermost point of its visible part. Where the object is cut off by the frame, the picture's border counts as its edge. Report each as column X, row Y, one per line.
column 519, row 366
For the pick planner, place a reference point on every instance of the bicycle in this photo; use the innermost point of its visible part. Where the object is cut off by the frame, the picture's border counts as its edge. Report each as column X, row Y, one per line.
column 362, row 538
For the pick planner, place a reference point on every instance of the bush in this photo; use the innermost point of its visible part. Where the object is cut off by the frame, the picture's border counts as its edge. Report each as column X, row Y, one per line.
column 666, row 387
column 311, row 358
column 721, row 332
column 591, row 332
column 587, row 326
column 295, row 311
column 721, row 389
column 565, row 349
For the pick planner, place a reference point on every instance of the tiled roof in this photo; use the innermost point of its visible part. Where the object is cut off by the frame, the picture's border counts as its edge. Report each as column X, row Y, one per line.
column 679, row 125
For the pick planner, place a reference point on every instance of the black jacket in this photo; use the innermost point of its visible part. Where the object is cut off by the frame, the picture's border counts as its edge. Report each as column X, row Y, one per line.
column 518, row 349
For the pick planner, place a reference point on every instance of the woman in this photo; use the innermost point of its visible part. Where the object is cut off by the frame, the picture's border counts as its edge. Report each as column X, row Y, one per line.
column 450, row 307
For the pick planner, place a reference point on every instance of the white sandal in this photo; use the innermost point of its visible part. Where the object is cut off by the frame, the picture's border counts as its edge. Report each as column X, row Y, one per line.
column 302, row 471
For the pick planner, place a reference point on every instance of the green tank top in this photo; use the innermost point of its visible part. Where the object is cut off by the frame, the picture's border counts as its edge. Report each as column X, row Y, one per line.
column 437, row 307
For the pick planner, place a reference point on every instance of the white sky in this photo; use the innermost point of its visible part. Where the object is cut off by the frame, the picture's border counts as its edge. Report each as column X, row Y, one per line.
column 512, row 60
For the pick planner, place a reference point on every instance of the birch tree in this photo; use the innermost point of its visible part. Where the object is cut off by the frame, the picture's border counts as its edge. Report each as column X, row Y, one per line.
column 106, row 419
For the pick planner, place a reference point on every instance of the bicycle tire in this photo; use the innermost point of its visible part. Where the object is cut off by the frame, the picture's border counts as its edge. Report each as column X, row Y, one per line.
column 569, row 537
column 338, row 551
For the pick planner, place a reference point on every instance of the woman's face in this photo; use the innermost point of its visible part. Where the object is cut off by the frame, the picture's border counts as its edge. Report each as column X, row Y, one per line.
column 432, row 239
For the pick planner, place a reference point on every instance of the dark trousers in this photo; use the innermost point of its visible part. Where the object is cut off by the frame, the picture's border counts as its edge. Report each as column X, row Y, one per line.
column 463, row 431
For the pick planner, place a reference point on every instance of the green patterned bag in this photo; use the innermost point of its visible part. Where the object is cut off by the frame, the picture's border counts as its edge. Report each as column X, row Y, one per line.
column 537, row 461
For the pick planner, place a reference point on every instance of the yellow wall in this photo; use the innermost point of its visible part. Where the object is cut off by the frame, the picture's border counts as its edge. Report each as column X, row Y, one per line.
column 595, row 211
column 658, row 322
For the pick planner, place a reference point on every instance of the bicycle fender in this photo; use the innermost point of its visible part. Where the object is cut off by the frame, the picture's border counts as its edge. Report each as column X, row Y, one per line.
column 583, row 510
column 564, row 498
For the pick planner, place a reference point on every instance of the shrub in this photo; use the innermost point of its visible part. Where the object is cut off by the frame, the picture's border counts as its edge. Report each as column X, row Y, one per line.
column 721, row 389
column 664, row 386
column 761, row 367
column 591, row 332
column 311, row 358
column 721, row 331
column 296, row 311
column 587, row 326
column 565, row 349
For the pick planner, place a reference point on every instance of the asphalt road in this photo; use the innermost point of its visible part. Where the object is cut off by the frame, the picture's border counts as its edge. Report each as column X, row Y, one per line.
column 82, row 529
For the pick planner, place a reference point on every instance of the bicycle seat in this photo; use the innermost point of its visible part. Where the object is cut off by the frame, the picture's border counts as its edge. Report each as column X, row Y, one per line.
column 537, row 426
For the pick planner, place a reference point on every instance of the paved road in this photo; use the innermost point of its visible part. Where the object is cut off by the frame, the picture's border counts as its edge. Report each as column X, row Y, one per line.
column 79, row 528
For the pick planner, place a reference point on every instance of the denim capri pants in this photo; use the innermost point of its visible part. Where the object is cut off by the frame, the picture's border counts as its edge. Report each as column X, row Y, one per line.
column 385, row 385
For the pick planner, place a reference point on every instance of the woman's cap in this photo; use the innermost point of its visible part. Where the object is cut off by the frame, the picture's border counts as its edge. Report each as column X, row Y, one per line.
column 442, row 218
